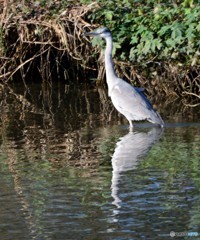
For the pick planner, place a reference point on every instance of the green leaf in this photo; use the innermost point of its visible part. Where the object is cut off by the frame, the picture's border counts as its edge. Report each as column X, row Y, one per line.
column 96, row 41
column 109, row 15
column 146, row 47
column 115, row 47
column 164, row 30
column 171, row 43
column 134, row 40
column 198, row 27
column 156, row 44
column 179, row 39
column 176, row 33
column 142, row 29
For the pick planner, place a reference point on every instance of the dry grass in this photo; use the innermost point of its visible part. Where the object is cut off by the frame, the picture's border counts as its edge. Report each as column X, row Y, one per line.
column 25, row 41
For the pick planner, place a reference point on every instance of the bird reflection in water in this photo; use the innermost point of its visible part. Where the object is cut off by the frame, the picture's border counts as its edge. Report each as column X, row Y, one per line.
column 129, row 150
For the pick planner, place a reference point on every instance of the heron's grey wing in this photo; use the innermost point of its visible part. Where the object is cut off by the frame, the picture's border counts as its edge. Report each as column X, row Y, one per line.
column 154, row 116
column 132, row 103
column 141, row 92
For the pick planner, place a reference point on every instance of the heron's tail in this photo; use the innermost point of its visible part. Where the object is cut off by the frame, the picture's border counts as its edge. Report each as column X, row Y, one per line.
column 156, row 118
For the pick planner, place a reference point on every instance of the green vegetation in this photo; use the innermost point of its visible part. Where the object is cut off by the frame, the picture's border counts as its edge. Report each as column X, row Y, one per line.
column 153, row 30
column 158, row 39
column 154, row 40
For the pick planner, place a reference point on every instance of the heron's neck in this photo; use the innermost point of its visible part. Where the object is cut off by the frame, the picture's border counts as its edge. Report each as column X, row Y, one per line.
column 110, row 72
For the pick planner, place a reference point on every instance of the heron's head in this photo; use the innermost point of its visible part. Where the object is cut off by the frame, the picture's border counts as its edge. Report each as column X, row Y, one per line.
column 103, row 32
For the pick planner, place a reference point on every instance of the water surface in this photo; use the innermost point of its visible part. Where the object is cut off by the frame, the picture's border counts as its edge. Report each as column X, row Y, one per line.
column 70, row 168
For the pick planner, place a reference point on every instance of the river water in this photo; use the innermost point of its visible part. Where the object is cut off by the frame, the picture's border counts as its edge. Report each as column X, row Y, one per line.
column 70, row 168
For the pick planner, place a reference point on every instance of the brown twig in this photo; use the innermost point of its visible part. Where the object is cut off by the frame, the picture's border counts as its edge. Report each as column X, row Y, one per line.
column 193, row 94
column 21, row 65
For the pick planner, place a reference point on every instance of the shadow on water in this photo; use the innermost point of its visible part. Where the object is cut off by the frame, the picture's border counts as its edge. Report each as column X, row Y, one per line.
column 70, row 169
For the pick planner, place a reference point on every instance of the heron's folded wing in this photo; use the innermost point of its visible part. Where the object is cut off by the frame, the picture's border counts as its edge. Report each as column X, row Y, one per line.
column 129, row 97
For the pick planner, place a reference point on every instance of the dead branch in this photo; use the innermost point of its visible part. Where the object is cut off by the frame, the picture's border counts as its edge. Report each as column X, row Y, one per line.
column 21, row 65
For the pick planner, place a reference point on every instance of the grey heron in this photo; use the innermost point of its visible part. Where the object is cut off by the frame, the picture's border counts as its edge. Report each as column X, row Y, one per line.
column 128, row 100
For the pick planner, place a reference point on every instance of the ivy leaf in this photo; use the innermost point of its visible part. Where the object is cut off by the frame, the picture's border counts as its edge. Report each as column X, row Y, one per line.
column 133, row 53
column 163, row 30
column 146, row 48
column 96, row 41
column 198, row 27
column 176, row 33
column 115, row 47
column 171, row 43
column 156, row 44
column 179, row 39
column 109, row 15
column 134, row 40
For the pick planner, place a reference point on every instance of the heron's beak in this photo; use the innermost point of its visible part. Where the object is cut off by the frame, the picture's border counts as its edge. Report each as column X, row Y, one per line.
column 89, row 34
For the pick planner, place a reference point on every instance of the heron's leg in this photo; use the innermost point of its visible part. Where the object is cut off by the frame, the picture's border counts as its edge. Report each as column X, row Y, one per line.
column 131, row 125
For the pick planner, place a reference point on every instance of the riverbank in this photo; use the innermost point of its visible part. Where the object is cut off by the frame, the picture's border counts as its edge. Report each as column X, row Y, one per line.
column 154, row 47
